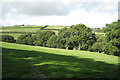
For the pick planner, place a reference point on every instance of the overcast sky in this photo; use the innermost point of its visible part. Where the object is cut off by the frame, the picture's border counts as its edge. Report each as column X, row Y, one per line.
column 92, row 13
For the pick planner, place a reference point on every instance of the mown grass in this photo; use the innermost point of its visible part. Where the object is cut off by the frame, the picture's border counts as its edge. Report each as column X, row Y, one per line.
column 56, row 63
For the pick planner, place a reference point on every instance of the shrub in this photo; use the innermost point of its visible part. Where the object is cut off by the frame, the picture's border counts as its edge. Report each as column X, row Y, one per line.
column 76, row 35
column 24, row 39
column 42, row 37
column 95, row 47
column 108, row 48
column 52, row 41
column 8, row 38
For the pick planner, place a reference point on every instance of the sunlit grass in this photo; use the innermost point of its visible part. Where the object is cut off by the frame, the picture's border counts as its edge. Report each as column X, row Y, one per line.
column 56, row 63
column 56, row 27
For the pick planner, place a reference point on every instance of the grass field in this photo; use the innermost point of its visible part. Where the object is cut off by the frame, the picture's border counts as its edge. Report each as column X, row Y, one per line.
column 33, row 26
column 20, row 29
column 55, row 63
column 56, row 27
column 16, row 31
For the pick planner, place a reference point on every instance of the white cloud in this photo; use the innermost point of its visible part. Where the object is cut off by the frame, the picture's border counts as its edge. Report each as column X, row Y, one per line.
column 67, row 1
column 90, row 14
column 89, row 19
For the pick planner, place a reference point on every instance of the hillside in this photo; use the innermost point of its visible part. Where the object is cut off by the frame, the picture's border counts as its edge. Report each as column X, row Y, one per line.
column 21, row 61
column 18, row 30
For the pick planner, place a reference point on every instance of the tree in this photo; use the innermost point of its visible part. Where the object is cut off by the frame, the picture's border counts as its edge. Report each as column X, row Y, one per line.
column 101, row 39
column 52, row 41
column 108, row 48
column 110, row 43
column 24, row 39
column 42, row 37
column 8, row 38
column 76, row 36
column 95, row 47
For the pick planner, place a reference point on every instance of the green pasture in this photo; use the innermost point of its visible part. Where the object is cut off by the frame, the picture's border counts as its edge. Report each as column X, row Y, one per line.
column 23, row 26
column 23, row 61
column 20, row 29
column 56, row 27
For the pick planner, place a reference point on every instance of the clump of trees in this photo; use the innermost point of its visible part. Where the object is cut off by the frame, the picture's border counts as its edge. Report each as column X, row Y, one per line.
column 42, row 37
column 77, row 36
column 26, row 39
column 8, row 38
column 39, row 39
column 110, row 43
column 52, row 41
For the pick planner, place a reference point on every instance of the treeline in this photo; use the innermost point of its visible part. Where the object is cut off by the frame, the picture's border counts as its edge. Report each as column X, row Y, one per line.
column 97, row 29
column 77, row 37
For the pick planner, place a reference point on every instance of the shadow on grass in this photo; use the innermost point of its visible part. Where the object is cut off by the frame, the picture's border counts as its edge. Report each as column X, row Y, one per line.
column 15, row 65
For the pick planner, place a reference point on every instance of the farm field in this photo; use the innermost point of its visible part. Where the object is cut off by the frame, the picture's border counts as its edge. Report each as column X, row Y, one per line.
column 23, row 61
column 56, row 27
column 15, row 31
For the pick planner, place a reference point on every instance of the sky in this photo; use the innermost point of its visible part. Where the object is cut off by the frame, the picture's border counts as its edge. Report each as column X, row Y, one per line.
column 92, row 13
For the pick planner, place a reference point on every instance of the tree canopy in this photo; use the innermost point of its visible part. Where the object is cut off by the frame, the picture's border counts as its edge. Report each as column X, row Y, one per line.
column 110, row 43
column 76, row 36
column 8, row 38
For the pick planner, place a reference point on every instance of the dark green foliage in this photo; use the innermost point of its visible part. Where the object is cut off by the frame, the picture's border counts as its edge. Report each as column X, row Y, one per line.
column 95, row 47
column 108, row 48
column 98, row 35
column 76, row 36
column 25, row 39
column 31, row 40
column 113, row 25
column 52, row 41
column 101, row 39
column 110, row 43
column 42, row 37
column 113, row 36
column 39, row 39
column 8, row 38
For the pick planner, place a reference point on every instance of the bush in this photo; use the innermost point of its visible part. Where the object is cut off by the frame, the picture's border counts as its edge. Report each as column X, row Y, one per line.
column 24, row 39
column 84, row 47
column 52, row 41
column 108, row 48
column 42, row 37
column 95, row 47
column 76, row 35
column 101, row 39
column 8, row 38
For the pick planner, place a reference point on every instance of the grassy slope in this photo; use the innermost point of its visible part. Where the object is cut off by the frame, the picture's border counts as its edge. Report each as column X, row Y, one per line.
column 19, row 29
column 56, row 63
